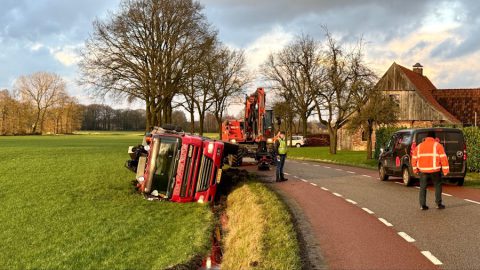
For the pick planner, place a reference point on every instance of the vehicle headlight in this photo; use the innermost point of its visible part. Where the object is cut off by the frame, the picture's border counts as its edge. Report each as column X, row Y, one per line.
column 147, row 148
column 210, row 148
column 233, row 141
column 269, row 140
column 140, row 179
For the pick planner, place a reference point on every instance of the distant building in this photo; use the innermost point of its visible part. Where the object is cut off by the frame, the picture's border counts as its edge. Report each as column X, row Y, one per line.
column 420, row 103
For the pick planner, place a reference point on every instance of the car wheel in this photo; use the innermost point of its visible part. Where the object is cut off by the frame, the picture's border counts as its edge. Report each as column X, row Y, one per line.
column 460, row 181
column 382, row 173
column 407, row 179
column 298, row 145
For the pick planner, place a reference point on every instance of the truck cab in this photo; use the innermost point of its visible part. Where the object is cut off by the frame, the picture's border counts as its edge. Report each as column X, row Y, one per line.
column 178, row 167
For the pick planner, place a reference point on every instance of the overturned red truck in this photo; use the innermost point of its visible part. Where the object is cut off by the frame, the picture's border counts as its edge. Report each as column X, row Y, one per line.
column 172, row 165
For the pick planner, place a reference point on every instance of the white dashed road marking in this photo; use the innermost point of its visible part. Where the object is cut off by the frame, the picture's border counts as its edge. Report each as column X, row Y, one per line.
column 400, row 183
column 324, row 188
column 316, row 165
column 472, row 201
column 446, row 194
column 326, row 167
column 368, row 211
column 350, row 172
column 417, row 187
column 295, row 176
column 304, row 180
column 432, row 258
column 407, row 237
column 304, row 163
column 367, row 176
column 351, row 201
column 313, row 184
column 388, row 224
column 338, row 195
column 339, row 169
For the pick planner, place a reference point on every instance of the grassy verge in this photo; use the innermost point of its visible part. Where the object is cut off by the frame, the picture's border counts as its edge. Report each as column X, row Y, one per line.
column 472, row 180
column 67, row 203
column 260, row 233
column 354, row 158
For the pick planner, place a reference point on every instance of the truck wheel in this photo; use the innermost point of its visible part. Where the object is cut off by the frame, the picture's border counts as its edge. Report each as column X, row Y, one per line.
column 382, row 173
column 407, row 179
column 460, row 181
column 298, row 145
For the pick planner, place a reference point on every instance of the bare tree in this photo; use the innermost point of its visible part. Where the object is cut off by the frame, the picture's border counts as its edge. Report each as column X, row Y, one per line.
column 378, row 110
column 230, row 77
column 295, row 72
column 343, row 88
column 147, row 50
column 43, row 90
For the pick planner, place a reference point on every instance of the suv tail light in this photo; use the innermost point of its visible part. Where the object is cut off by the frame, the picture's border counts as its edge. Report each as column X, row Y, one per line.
column 414, row 145
column 464, row 151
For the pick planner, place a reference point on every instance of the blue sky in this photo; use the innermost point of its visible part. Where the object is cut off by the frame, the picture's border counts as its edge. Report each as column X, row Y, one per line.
column 45, row 35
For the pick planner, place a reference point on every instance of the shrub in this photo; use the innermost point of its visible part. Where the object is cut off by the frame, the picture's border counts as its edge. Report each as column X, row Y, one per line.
column 472, row 137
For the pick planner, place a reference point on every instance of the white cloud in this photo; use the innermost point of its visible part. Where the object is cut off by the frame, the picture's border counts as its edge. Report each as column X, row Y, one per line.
column 66, row 55
column 257, row 52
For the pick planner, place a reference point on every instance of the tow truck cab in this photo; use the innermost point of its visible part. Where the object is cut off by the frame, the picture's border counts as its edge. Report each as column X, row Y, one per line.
column 178, row 167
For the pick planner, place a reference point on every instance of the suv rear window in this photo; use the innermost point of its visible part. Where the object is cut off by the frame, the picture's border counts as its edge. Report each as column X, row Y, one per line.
column 449, row 139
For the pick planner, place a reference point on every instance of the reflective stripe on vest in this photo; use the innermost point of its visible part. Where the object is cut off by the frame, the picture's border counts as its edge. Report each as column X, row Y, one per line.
column 282, row 148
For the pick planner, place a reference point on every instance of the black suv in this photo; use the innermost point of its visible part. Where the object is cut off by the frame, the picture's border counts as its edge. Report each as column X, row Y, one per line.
column 394, row 159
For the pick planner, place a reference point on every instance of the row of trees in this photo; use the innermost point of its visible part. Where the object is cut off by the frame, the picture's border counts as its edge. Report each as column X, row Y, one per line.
column 38, row 104
column 165, row 53
column 326, row 80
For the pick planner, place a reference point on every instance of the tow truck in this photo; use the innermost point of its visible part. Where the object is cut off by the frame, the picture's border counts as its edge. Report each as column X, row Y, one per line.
column 254, row 133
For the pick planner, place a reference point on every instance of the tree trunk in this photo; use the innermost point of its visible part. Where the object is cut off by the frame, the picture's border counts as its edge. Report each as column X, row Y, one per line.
column 35, row 124
column 148, row 111
column 192, row 122
column 201, row 122
column 304, row 126
column 369, row 140
column 219, row 122
column 332, row 132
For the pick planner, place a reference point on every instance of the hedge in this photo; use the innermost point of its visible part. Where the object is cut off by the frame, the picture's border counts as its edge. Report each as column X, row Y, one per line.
column 472, row 137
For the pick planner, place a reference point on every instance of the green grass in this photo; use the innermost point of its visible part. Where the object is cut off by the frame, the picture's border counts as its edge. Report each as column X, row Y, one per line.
column 355, row 158
column 260, row 233
column 67, row 203
column 472, row 180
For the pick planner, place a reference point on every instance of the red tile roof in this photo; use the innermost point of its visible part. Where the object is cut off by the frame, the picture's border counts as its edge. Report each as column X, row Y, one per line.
column 425, row 87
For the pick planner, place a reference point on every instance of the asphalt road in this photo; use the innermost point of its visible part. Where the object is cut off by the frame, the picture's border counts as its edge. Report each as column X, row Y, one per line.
column 361, row 222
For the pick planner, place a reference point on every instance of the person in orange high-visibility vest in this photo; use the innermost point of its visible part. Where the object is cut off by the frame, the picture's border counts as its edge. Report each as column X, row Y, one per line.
column 427, row 159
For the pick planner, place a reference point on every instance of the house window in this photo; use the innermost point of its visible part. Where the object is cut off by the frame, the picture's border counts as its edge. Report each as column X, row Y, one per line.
column 396, row 99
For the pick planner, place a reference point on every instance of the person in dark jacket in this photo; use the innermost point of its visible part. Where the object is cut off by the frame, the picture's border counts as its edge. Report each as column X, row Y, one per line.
column 280, row 148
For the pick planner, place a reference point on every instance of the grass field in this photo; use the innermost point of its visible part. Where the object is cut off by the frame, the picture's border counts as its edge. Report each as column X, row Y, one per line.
column 356, row 158
column 271, row 243
column 67, row 203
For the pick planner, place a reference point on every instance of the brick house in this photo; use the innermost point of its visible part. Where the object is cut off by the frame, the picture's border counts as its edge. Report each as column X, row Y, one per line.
column 421, row 104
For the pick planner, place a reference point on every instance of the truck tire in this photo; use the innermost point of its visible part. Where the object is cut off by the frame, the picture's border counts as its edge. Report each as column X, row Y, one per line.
column 406, row 177
column 235, row 160
column 382, row 173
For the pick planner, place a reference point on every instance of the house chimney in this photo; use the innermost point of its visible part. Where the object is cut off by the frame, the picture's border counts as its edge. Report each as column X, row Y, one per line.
column 418, row 68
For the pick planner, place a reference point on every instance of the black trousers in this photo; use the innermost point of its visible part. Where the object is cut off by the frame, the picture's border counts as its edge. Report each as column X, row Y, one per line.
column 437, row 181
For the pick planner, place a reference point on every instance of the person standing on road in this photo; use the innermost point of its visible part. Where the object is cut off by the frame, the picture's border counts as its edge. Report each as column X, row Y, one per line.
column 428, row 158
column 280, row 148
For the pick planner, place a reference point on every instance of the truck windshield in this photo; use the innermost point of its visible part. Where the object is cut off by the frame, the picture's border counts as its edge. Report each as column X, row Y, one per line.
column 166, row 165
